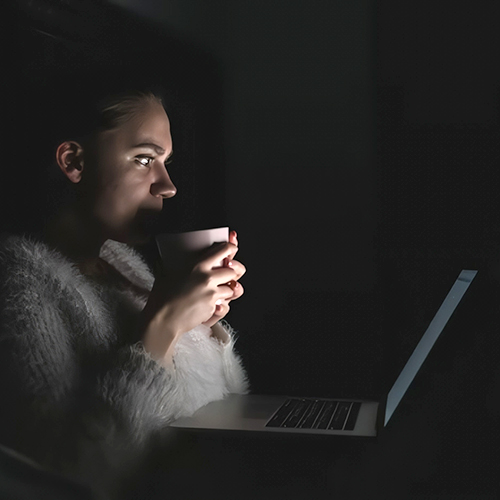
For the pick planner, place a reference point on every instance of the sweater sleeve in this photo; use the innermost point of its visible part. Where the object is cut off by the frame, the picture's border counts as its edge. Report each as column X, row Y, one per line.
column 143, row 395
column 235, row 375
column 148, row 396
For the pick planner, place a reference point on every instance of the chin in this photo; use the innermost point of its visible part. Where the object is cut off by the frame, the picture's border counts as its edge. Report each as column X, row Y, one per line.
column 140, row 231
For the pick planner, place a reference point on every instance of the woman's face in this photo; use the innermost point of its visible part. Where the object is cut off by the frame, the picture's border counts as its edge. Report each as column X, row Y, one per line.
column 127, row 179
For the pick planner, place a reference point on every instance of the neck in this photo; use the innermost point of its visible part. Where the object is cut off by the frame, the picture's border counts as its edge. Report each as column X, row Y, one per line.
column 75, row 235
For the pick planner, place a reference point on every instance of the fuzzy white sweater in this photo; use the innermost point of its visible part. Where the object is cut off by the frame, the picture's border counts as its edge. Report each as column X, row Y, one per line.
column 69, row 365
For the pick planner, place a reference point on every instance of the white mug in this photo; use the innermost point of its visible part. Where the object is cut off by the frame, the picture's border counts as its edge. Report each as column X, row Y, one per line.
column 174, row 247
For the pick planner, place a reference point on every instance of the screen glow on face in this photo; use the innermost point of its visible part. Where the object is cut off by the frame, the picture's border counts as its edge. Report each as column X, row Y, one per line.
column 132, row 179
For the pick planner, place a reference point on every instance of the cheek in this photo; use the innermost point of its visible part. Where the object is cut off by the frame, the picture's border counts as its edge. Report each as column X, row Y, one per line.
column 119, row 188
column 123, row 197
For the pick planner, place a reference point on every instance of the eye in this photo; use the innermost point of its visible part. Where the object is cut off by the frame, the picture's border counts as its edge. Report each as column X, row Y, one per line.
column 145, row 161
column 169, row 161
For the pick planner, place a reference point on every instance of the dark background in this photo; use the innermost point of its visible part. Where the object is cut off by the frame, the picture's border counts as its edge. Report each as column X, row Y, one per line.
column 354, row 146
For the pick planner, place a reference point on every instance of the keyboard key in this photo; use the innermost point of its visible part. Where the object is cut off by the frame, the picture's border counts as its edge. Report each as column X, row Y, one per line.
column 353, row 416
column 326, row 414
column 340, row 416
column 297, row 413
column 310, row 418
column 282, row 413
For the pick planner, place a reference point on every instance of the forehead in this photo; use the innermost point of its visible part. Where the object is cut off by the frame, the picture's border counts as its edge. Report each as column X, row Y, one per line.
column 149, row 123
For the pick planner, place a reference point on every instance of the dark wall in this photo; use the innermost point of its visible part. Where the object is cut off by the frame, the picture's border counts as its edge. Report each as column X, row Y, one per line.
column 438, row 124
column 300, row 189
column 438, row 151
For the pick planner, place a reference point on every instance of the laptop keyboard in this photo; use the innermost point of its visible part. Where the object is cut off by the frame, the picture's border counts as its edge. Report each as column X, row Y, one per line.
column 316, row 414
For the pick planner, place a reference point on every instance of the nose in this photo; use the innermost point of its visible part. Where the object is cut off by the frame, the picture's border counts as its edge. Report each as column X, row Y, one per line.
column 163, row 186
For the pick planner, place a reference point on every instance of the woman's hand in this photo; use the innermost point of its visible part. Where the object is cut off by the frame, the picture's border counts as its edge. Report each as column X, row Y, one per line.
column 180, row 302
column 223, row 308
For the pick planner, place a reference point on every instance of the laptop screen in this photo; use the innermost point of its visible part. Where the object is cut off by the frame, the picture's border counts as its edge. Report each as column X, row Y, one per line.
column 427, row 341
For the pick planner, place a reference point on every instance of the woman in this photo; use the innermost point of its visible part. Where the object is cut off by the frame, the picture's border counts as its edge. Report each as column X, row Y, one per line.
column 97, row 355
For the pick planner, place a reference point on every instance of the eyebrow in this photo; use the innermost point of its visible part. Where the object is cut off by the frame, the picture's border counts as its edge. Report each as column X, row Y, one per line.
column 151, row 145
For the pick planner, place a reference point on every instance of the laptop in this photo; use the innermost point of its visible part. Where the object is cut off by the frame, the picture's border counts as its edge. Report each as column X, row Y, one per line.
column 356, row 417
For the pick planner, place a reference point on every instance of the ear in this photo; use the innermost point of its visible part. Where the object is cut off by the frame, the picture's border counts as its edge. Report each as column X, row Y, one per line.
column 69, row 157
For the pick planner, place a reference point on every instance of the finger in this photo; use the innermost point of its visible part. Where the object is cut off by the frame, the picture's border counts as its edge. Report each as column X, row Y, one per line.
column 224, row 292
column 233, row 238
column 237, row 289
column 238, row 267
column 218, row 314
column 222, row 275
column 221, row 310
column 216, row 254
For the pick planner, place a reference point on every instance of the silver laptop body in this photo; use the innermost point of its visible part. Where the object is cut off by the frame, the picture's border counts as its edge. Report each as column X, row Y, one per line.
column 252, row 412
